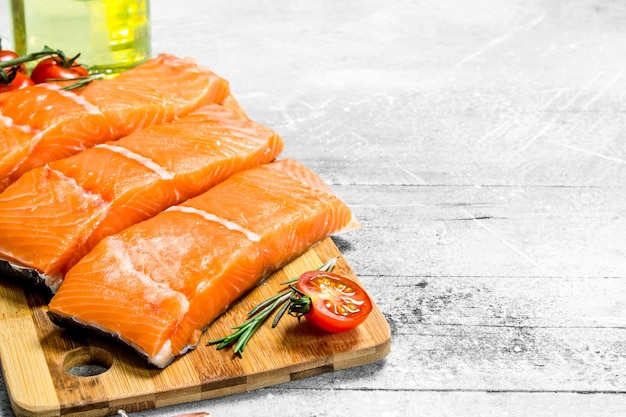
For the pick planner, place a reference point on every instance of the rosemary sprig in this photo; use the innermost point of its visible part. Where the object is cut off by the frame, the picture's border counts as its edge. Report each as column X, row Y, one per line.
column 79, row 82
column 291, row 300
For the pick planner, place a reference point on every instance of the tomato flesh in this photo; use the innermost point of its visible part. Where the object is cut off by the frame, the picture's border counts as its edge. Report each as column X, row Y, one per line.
column 53, row 68
column 338, row 303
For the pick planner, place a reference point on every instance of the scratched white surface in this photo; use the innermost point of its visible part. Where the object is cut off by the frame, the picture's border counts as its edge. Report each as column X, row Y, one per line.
column 482, row 146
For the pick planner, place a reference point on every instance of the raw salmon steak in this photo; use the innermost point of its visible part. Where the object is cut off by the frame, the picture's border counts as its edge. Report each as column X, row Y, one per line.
column 55, row 123
column 53, row 215
column 159, row 283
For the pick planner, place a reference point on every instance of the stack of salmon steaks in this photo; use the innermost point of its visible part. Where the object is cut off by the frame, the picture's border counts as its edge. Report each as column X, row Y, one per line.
column 148, row 203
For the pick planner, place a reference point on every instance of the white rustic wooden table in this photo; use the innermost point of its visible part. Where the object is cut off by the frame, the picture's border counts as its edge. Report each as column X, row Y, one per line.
column 483, row 146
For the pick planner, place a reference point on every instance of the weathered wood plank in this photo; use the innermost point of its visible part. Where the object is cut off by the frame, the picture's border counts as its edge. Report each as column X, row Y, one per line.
column 464, row 333
column 486, row 231
column 337, row 401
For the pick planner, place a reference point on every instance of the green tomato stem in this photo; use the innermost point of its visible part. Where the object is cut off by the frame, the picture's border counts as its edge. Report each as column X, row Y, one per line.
column 47, row 51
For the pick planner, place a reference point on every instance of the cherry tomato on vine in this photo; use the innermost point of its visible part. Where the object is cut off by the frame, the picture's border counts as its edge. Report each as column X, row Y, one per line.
column 6, row 55
column 337, row 303
column 20, row 81
column 57, row 67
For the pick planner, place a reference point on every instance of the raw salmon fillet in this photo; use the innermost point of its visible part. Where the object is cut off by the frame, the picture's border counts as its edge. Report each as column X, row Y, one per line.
column 55, row 123
column 158, row 284
column 53, row 215
column 14, row 146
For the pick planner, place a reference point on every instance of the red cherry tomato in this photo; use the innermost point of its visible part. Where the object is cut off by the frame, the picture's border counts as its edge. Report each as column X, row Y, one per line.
column 337, row 303
column 6, row 55
column 56, row 67
column 20, row 81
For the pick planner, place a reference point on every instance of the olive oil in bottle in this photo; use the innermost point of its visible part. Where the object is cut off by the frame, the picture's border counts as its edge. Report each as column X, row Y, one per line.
column 110, row 35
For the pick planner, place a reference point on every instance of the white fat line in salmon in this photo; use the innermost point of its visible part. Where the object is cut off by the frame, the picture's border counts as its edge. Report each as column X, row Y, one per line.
column 213, row 218
column 148, row 163
column 92, row 109
column 157, row 291
column 8, row 122
column 87, row 194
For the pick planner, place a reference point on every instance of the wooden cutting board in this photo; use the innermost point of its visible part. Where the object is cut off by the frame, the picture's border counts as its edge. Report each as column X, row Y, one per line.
column 40, row 361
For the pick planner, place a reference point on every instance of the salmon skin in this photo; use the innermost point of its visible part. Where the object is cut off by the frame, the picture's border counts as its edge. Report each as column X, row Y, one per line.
column 158, row 284
column 53, row 215
column 44, row 123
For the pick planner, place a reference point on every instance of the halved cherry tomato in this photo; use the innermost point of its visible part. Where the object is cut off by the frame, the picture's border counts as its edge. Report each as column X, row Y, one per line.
column 338, row 303
column 57, row 67
column 20, row 81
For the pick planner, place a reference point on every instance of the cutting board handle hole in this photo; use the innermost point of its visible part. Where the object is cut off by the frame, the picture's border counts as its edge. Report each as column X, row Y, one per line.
column 87, row 361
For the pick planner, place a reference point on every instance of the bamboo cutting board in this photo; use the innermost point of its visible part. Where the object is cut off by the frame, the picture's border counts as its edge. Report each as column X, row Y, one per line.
column 40, row 361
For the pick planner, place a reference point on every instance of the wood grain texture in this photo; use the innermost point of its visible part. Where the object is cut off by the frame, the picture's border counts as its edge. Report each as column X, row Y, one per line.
column 481, row 144
column 39, row 359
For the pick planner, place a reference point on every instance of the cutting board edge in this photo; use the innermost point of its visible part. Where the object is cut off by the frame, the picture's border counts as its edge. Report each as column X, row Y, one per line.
column 376, row 346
